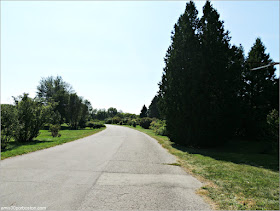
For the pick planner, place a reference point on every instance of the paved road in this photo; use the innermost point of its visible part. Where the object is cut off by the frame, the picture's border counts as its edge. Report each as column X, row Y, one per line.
column 116, row 169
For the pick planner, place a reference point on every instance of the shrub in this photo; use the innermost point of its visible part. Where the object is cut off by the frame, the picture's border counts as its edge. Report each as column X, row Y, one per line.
column 129, row 122
column 159, row 127
column 162, row 131
column 90, row 124
column 145, row 122
column 108, row 121
column 134, row 123
column 98, row 125
column 54, row 118
column 95, row 125
column 9, row 123
column 125, row 121
column 54, row 130
column 116, row 120
column 31, row 117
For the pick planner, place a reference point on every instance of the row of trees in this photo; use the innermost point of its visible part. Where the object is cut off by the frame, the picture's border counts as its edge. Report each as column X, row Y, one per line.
column 208, row 92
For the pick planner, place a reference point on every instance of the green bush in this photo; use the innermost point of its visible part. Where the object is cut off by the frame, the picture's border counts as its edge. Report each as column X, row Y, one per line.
column 95, row 125
column 31, row 117
column 145, row 122
column 108, row 121
column 9, row 123
column 98, row 125
column 116, row 120
column 125, row 121
column 90, row 124
column 55, row 130
column 54, row 118
column 134, row 123
column 159, row 127
column 162, row 131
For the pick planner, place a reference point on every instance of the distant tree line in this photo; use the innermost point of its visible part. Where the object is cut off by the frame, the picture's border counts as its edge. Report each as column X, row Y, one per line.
column 208, row 92
column 145, row 120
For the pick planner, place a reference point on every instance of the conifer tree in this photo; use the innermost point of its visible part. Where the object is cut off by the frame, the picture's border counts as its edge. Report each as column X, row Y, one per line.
column 182, row 65
column 144, row 112
column 153, row 110
column 261, row 90
column 216, row 79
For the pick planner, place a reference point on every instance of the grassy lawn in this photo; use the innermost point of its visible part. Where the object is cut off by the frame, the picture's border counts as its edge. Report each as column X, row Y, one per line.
column 236, row 177
column 45, row 140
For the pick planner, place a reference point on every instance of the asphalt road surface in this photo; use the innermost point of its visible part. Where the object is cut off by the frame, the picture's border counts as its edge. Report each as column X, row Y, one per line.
column 116, row 169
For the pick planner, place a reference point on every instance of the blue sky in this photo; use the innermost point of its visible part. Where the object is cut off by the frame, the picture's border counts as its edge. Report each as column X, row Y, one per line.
column 110, row 52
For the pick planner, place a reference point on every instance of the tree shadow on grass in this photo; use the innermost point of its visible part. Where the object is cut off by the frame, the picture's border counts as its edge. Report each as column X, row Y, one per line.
column 15, row 144
column 65, row 127
column 239, row 152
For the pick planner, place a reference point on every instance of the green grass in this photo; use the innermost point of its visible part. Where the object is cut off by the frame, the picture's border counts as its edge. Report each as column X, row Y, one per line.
column 236, row 177
column 45, row 140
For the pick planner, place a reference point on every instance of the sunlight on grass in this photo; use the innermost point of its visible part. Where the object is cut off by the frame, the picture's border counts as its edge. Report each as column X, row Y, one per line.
column 45, row 140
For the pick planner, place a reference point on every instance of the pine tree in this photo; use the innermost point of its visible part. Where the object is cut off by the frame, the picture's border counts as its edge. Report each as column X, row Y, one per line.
column 236, row 90
column 144, row 112
column 261, row 90
column 153, row 110
column 176, row 88
column 216, row 82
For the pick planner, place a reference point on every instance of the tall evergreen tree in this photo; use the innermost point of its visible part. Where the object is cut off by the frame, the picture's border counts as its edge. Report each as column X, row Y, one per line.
column 235, row 91
column 260, row 90
column 144, row 112
column 217, row 82
column 177, row 90
column 153, row 110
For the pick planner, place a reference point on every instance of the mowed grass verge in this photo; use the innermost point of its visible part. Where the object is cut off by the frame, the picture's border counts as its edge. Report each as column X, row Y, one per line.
column 235, row 177
column 45, row 140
